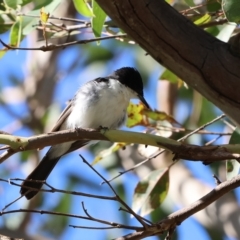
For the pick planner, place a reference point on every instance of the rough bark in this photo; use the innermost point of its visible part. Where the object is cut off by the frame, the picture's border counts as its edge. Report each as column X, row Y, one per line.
column 202, row 61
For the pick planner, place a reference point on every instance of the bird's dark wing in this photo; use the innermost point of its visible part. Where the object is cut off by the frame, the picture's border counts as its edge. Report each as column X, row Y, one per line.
column 64, row 115
column 76, row 145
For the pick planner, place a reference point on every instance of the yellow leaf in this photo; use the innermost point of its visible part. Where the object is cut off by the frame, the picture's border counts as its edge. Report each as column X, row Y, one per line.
column 135, row 115
column 159, row 116
column 106, row 152
column 44, row 15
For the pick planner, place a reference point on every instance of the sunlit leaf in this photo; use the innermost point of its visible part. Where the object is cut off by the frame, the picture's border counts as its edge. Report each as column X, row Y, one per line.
column 159, row 116
column 203, row 19
column 170, row 1
column 135, row 115
column 138, row 114
column 106, row 152
column 231, row 9
column 232, row 166
column 151, row 191
column 98, row 19
column 44, row 15
column 171, row 77
column 83, row 8
column 15, row 33
column 225, row 31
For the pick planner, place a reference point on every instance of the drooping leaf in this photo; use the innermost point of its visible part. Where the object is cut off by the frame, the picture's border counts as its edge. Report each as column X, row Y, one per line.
column 151, row 191
column 232, row 166
column 83, row 8
column 98, row 19
column 159, row 116
column 106, row 152
column 231, row 9
column 16, row 33
column 138, row 114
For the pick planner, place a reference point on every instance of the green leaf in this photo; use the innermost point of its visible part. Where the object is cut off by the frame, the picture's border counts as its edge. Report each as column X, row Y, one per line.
column 106, row 152
column 98, row 19
column 232, row 166
column 213, row 30
column 15, row 34
column 203, row 19
column 4, row 25
column 169, row 76
column 151, row 192
column 231, row 9
column 28, row 22
column 24, row 2
column 213, row 6
column 11, row 3
column 190, row 3
column 83, row 8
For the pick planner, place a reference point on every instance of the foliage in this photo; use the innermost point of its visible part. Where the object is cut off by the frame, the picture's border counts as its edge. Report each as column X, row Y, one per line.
column 19, row 19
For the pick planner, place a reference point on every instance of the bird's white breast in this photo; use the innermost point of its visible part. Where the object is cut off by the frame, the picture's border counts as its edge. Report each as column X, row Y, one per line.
column 100, row 104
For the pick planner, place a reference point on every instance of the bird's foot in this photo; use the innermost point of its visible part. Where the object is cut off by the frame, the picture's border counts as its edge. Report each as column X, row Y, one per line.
column 102, row 128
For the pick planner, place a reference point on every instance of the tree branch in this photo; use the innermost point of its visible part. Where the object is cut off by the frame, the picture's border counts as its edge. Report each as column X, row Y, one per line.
column 201, row 60
column 178, row 217
column 181, row 150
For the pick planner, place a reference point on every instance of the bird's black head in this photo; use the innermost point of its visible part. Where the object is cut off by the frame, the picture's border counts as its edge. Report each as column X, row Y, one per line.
column 131, row 78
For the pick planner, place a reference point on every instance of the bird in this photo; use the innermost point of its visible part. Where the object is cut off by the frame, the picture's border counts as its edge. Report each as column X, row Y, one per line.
column 101, row 102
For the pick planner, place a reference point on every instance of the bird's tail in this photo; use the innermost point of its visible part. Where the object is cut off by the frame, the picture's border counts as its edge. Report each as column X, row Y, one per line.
column 40, row 173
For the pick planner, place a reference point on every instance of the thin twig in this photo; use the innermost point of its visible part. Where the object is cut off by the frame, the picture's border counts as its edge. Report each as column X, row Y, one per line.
column 117, row 196
column 154, row 155
column 11, row 204
column 64, row 45
column 57, row 18
column 10, row 181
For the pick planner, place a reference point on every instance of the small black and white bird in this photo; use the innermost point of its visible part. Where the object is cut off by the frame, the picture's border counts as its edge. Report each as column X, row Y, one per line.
column 100, row 102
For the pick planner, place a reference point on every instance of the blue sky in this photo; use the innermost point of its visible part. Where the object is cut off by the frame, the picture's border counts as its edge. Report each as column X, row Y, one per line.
column 13, row 64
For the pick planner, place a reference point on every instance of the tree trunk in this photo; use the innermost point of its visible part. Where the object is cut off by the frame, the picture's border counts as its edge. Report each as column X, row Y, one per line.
column 202, row 61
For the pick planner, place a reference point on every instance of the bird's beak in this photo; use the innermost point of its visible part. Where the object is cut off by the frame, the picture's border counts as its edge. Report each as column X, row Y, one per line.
column 142, row 99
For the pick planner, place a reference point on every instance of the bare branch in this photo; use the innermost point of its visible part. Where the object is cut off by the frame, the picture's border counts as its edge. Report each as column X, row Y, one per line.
column 145, row 225
column 178, row 217
column 64, row 45
column 181, row 150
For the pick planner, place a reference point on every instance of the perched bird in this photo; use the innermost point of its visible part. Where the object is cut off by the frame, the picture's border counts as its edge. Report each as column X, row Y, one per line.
column 101, row 102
